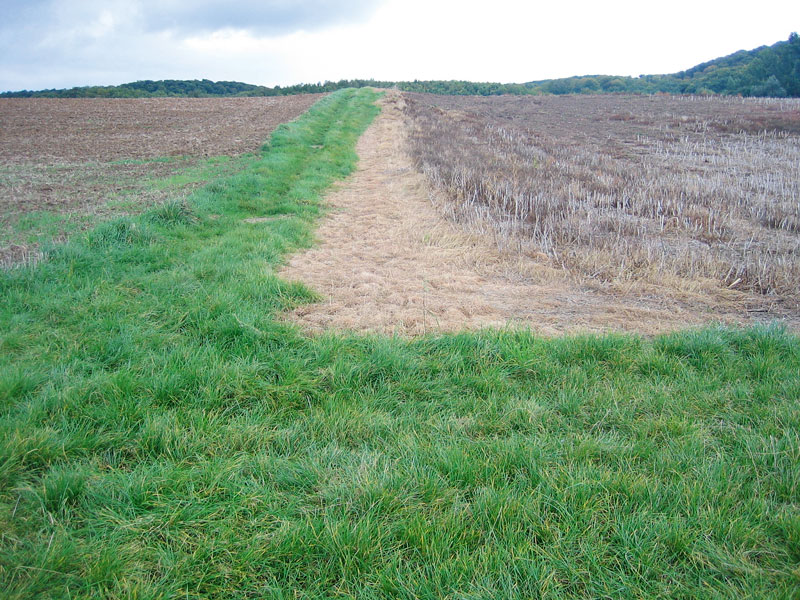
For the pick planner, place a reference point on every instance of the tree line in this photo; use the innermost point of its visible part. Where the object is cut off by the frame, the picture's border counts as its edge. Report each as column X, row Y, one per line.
column 766, row 71
column 195, row 88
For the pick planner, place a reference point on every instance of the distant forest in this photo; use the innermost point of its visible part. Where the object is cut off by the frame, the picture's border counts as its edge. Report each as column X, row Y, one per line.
column 196, row 88
column 772, row 71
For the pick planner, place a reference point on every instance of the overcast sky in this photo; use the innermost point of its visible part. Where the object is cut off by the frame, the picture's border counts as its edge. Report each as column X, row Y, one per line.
column 65, row 43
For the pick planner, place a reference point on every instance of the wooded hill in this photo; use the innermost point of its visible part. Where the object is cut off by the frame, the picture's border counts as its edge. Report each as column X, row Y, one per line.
column 766, row 71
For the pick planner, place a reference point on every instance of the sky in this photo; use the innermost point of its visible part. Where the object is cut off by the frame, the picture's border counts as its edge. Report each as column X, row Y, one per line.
column 65, row 43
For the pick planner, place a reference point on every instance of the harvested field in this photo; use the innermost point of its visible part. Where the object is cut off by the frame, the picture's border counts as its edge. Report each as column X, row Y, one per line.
column 624, row 190
column 69, row 162
column 388, row 261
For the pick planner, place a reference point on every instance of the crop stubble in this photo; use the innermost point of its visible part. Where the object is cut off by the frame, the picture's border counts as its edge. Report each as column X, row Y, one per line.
column 624, row 191
column 70, row 156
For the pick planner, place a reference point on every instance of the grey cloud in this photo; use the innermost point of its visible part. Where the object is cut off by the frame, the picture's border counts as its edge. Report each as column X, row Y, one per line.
column 46, row 43
column 14, row 13
column 187, row 17
column 262, row 16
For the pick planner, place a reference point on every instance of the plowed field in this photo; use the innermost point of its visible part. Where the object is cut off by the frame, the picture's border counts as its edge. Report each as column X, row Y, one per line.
column 54, row 131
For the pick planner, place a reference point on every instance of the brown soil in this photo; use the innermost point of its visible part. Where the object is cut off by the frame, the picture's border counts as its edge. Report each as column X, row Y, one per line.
column 387, row 261
column 52, row 131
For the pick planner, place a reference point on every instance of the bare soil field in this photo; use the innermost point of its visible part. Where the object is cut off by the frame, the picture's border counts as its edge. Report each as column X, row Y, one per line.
column 389, row 260
column 624, row 189
column 70, row 157
column 53, row 131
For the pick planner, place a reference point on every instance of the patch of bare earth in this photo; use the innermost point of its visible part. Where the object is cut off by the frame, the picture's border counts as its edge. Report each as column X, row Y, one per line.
column 387, row 261
column 94, row 156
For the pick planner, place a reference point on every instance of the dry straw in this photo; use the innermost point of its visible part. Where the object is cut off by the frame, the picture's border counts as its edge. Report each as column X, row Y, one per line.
column 620, row 188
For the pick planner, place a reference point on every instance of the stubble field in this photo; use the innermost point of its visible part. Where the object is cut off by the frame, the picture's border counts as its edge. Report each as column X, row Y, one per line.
column 625, row 190
column 66, row 164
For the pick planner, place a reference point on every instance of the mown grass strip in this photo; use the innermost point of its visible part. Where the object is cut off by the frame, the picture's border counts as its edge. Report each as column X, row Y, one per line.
column 161, row 435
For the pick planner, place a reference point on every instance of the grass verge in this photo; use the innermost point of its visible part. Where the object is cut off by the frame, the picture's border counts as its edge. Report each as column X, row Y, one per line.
column 161, row 435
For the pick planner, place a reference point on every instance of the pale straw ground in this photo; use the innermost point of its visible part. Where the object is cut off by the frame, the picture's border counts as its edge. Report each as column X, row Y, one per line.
column 387, row 261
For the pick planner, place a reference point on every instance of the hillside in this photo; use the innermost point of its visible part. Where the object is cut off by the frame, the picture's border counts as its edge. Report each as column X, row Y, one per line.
column 772, row 71
column 765, row 71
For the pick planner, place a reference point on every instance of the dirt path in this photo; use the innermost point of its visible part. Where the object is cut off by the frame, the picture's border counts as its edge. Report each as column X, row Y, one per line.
column 387, row 261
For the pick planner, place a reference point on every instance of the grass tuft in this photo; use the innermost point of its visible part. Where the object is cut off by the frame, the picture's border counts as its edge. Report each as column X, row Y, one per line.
column 173, row 212
column 118, row 233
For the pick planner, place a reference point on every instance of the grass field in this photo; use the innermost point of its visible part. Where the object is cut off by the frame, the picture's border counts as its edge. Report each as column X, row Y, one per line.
column 163, row 436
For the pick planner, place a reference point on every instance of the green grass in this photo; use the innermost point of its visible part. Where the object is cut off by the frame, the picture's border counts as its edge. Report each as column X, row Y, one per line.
column 163, row 436
column 102, row 191
column 205, row 170
column 41, row 226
